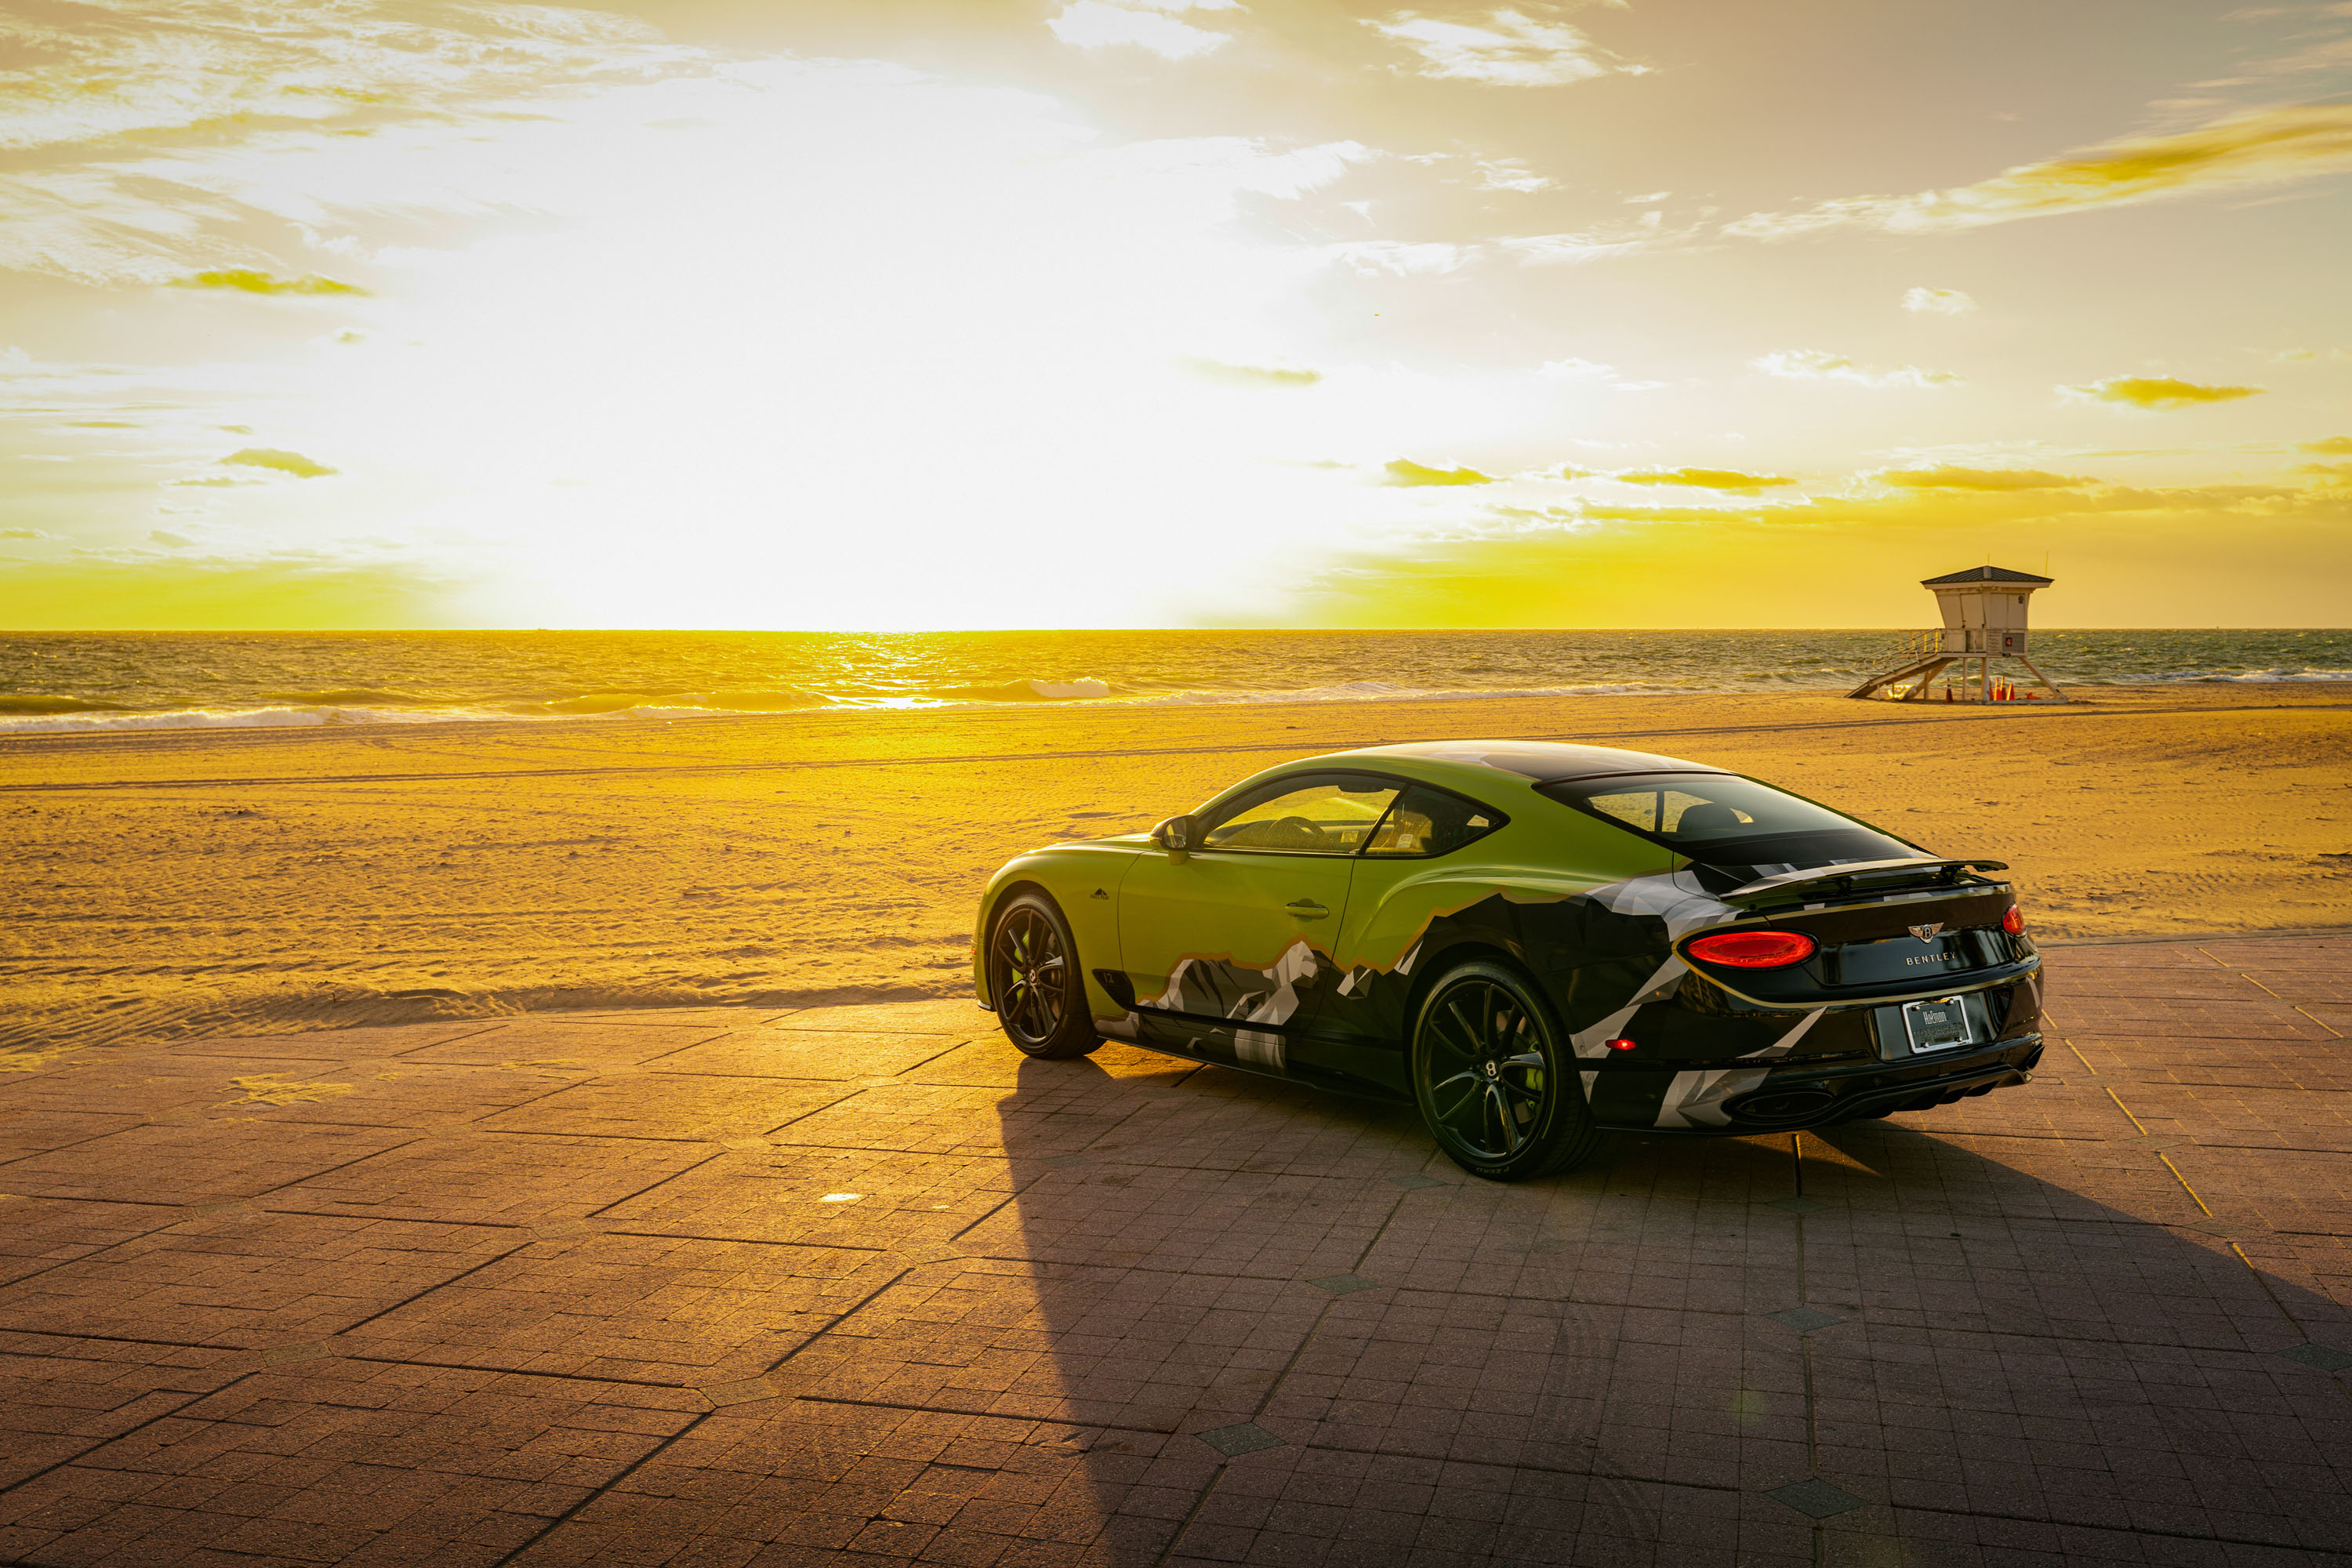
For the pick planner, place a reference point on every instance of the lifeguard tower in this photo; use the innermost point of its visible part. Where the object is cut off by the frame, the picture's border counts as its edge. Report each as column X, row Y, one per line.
column 1984, row 626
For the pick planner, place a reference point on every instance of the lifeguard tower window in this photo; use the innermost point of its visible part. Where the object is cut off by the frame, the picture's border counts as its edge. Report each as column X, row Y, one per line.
column 1722, row 819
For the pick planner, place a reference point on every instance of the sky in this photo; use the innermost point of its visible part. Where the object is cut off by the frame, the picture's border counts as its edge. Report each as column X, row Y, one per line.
column 880, row 314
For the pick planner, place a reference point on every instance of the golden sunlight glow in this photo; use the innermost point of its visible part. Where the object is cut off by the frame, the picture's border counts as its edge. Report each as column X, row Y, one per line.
column 556, row 318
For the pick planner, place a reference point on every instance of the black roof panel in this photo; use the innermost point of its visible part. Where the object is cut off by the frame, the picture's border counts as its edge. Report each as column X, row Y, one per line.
column 1984, row 575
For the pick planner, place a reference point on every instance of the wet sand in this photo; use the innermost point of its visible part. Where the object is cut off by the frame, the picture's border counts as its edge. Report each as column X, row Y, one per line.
column 162, row 885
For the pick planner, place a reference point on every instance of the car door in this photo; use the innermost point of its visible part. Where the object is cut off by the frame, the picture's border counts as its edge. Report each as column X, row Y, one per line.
column 1228, row 945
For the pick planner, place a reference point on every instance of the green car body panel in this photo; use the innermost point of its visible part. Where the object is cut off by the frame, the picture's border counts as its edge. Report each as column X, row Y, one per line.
column 1310, row 965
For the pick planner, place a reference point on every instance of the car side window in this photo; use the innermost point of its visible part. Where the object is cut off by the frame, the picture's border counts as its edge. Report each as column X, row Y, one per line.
column 1325, row 815
column 1430, row 822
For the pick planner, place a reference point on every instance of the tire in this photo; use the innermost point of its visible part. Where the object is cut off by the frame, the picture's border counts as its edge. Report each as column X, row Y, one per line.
column 1036, row 981
column 1492, row 1074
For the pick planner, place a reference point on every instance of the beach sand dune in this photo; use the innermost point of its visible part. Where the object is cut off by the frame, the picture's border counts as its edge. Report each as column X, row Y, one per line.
column 161, row 885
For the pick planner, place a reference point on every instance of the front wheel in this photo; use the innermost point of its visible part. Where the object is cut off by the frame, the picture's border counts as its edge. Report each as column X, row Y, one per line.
column 1491, row 1072
column 1034, row 981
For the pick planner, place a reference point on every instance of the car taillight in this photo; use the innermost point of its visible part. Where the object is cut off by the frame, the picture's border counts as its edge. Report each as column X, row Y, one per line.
column 1754, row 949
column 2013, row 921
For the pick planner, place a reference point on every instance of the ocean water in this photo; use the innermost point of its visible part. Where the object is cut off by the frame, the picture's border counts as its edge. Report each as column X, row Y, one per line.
column 81, row 682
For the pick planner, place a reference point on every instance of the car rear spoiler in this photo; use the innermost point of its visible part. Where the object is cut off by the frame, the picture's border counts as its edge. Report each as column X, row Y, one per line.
column 1790, row 880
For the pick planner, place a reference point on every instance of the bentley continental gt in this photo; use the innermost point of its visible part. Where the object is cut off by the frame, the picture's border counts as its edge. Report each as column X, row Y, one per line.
column 1533, row 943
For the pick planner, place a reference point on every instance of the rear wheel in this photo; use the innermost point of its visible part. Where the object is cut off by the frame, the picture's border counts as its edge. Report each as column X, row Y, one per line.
column 1491, row 1072
column 1035, row 980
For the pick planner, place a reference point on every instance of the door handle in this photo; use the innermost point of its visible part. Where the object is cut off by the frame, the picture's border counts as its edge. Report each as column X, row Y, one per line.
column 1307, row 908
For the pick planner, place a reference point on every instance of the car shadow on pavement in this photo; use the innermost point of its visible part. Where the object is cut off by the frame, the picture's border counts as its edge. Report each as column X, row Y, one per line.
column 1226, row 1318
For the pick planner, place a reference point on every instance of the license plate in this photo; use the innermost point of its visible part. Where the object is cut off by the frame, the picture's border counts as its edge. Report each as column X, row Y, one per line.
column 1936, row 1026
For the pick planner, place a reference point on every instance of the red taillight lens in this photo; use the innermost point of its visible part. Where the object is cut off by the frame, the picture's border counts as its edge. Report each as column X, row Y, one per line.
column 2013, row 921
column 1754, row 949
column 1622, row 1043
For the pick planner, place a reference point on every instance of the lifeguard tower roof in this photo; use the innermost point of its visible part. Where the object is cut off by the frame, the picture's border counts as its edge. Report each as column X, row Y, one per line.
column 1984, row 575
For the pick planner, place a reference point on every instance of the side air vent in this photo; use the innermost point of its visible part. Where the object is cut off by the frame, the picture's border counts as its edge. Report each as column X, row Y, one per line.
column 1116, row 986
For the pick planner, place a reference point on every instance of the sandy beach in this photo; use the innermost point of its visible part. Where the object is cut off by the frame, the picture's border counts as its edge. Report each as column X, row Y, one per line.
column 165, row 885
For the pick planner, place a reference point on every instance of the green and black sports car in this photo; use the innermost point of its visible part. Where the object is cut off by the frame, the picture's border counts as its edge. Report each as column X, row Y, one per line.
column 1533, row 943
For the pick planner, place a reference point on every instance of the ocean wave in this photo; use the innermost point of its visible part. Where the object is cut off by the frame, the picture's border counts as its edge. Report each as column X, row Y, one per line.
column 351, row 696
column 2186, row 677
column 39, row 702
column 230, row 719
column 1084, row 689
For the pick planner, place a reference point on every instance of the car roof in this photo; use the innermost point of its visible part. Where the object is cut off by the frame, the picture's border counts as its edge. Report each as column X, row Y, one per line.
column 1540, row 760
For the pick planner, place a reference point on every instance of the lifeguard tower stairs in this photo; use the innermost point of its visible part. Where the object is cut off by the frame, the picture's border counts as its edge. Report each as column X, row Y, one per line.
column 1983, row 632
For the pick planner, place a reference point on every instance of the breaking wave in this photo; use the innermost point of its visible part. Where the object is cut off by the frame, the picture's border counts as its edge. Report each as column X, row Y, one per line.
column 1084, row 689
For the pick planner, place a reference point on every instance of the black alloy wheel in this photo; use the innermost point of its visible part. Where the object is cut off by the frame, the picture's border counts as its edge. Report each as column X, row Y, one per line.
column 1491, row 1072
column 1035, row 980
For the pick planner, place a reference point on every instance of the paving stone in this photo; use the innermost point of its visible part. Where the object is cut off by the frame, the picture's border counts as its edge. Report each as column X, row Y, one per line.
column 1805, row 1319
column 1816, row 1499
column 1797, row 1205
column 1242, row 1437
column 548, row 1291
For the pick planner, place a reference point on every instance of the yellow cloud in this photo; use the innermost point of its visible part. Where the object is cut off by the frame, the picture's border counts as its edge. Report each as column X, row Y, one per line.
column 1938, row 302
column 284, row 462
column 1951, row 479
column 1704, row 478
column 1249, row 375
column 2333, row 447
column 22, row 533
column 1406, row 473
column 247, row 282
column 2329, row 473
column 2261, row 148
column 2157, row 392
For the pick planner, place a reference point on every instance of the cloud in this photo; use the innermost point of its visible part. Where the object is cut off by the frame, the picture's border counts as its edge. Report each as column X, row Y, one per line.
column 1591, row 244
column 1143, row 24
column 1952, row 479
column 1510, row 50
column 1815, row 364
column 2156, row 391
column 1407, row 474
column 1704, row 478
column 22, row 533
column 2332, row 473
column 1512, row 174
column 249, row 281
column 284, row 462
column 1220, row 373
column 1573, row 369
column 169, row 539
column 2264, row 147
column 1938, row 302
column 1401, row 258
column 2333, row 447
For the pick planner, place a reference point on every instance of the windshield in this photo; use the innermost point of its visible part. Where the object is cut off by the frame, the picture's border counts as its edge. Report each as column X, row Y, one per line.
column 1721, row 819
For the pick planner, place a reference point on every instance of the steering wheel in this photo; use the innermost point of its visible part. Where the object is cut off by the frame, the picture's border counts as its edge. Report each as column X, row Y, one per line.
column 1298, row 827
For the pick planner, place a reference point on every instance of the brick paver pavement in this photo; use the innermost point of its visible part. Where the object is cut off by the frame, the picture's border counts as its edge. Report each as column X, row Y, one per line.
column 721, row 1287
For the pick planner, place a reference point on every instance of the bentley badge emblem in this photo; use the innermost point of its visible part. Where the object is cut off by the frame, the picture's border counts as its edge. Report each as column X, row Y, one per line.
column 1928, row 932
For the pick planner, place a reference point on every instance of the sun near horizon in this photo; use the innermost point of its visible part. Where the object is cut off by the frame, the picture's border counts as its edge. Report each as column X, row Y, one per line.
column 883, row 314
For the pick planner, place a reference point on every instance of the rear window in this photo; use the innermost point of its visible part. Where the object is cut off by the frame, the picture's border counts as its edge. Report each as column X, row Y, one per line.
column 1721, row 819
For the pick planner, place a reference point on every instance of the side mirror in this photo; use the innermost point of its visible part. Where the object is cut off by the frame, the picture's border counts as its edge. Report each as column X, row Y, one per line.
column 1175, row 834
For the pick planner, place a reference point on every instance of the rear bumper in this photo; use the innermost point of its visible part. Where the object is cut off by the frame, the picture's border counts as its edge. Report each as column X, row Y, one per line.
column 1791, row 1097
